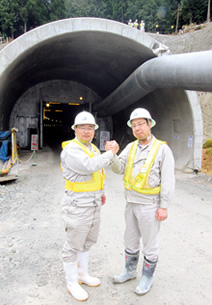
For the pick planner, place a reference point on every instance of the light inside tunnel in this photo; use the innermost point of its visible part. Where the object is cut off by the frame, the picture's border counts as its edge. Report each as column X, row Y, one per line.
column 57, row 121
column 52, row 67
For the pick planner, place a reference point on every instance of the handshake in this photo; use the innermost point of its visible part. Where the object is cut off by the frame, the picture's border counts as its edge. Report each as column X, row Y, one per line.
column 113, row 146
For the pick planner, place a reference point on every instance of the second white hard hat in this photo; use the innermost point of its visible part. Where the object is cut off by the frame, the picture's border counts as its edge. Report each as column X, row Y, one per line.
column 84, row 117
column 140, row 113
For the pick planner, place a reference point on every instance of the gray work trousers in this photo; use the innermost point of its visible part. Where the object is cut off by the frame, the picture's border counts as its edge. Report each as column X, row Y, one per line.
column 82, row 228
column 141, row 222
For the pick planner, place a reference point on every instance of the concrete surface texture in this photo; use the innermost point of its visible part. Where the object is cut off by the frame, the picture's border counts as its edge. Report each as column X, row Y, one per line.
column 194, row 41
column 32, row 236
column 206, row 107
column 100, row 55
column 93, row 52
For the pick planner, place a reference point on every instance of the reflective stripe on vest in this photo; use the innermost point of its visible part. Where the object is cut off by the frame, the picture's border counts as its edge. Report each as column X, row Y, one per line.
column 140, row 182
column 97, row 178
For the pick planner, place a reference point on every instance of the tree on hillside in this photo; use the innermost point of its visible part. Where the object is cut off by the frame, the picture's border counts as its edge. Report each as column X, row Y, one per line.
column 36, row 12
column 19, row 16
column 8, row 18
column 88, row 8
column 155, row 13
column 56, row 10
column 194, row 11
column 209, row 10
column 118, row 8
column 22, row 15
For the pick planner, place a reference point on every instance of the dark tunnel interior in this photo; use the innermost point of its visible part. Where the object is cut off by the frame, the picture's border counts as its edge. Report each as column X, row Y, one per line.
column 62, row 61
column 57, row 121
column 59, row 117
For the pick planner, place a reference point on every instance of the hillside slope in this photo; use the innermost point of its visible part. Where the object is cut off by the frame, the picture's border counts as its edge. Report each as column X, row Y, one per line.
column 195, row 41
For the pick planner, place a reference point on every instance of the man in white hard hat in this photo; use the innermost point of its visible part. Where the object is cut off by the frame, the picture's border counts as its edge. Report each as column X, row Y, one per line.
column 83, row 171
column 149, row 180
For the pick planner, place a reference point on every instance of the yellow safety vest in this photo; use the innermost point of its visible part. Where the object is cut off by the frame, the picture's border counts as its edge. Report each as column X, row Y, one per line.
column 97, row 178
column 140, row 182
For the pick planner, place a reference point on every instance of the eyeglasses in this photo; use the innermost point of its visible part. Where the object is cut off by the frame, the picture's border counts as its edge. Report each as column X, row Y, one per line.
column 140, row 125
column 83, row 128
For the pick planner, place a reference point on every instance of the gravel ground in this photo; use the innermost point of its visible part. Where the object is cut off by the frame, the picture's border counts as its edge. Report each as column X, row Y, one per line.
column 32, row 236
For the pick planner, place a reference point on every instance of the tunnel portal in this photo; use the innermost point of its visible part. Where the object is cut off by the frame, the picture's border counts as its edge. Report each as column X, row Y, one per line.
column 53, row 72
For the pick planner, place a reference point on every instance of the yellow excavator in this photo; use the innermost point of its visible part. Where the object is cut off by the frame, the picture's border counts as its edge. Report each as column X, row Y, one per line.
column 8, row 154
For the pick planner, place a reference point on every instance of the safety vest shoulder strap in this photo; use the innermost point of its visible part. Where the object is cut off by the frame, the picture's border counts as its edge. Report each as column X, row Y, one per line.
column 152, row 154
column 140, row 182
column 130, row 161
column 85, row 149
column 65, row 143
column 97, row 178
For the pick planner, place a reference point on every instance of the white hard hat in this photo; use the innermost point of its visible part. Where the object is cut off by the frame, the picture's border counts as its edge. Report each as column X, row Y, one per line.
column 140, row 113
column 84, row 117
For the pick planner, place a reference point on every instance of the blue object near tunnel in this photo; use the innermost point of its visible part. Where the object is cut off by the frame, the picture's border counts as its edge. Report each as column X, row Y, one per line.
column 5, row 139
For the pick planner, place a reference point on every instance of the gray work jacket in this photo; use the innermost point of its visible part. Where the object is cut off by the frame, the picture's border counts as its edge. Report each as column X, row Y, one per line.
column 78, row 167
column 161, row 173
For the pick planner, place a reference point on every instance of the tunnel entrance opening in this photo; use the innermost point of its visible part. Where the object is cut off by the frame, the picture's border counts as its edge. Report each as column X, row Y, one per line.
column 77, row 57
column 57, row 120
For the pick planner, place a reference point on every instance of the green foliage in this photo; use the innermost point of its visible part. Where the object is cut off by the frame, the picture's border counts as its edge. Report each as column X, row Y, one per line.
column 118, row 10
column 207, row 144
column 194, row 11
column 159, row 15
column 18, row 16
column 8, row 18
column 56, row 10
column 88, row 8
column 209, row 151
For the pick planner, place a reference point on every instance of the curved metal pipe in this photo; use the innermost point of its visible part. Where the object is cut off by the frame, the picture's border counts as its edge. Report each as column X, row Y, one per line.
column 190, row 71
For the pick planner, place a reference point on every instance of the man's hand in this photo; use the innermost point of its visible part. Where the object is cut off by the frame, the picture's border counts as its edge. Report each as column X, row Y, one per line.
column 161, row 214
column 113, row 146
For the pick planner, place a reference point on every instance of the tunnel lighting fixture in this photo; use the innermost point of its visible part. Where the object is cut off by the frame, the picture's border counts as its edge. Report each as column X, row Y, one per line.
column 47, row 105
column 54, row 103
column 52, row 120
column 73, row 104
column 47, row 110
column 81, row 98
column 57, row 110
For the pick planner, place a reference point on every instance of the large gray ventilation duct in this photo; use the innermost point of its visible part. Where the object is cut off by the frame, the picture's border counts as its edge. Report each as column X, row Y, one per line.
column 115, row 68
column 184, row 71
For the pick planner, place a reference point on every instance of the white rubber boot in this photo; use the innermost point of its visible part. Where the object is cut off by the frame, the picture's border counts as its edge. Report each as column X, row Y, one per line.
column 73, row 286
column 83, row 276
column 129, row 273
column 147, row 277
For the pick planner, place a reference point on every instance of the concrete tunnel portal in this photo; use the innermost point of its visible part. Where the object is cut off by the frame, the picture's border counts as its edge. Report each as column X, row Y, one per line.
column 52, row 72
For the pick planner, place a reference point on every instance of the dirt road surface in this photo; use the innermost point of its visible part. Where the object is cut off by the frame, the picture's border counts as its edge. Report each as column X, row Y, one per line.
column 32, row 236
